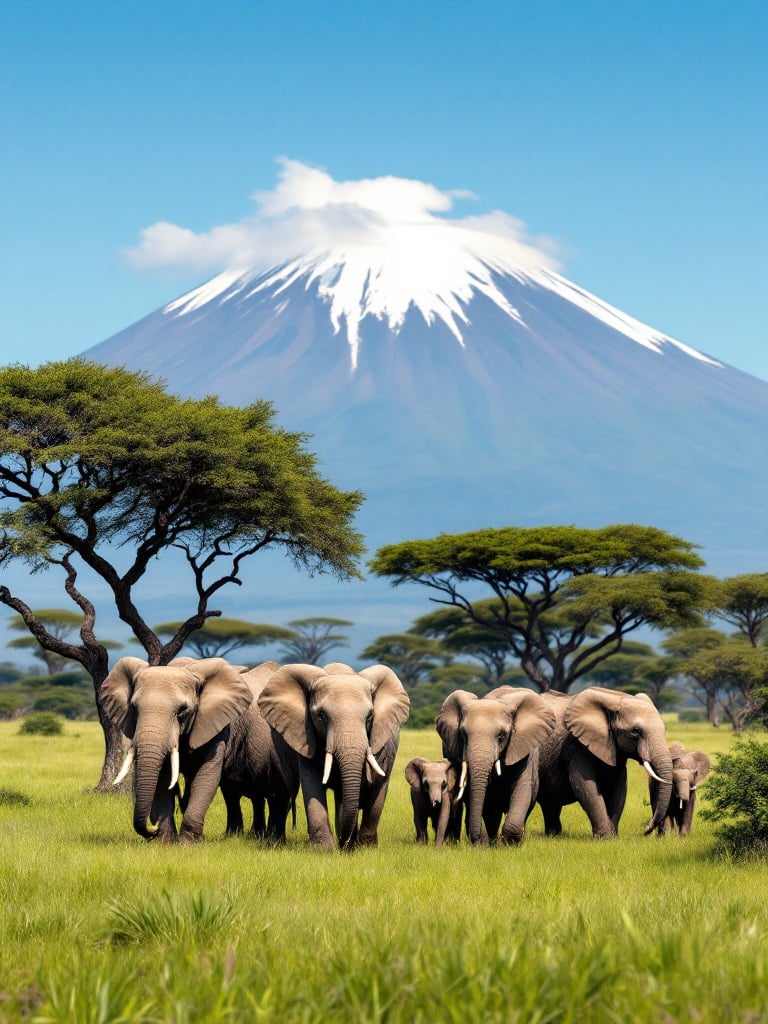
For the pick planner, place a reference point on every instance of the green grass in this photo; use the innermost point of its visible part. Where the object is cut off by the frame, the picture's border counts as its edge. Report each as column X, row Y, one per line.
column 98, row 926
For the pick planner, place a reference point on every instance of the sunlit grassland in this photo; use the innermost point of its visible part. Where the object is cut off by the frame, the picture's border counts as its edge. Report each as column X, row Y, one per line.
column 99, row 926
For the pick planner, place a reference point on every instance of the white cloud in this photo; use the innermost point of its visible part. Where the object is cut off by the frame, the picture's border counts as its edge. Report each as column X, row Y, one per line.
column 307, row 211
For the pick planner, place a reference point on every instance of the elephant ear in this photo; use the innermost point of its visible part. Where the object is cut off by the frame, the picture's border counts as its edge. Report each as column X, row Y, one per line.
column 413, row 771
column 116, row 692
column 391, row 707
column 285, row 705
column 533, row 720
column 701, row 761
column 448, row 721
column 676, row 750
column 588, row 718
column 224, row 694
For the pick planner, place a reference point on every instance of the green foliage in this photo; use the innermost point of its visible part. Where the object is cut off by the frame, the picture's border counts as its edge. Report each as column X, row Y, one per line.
column 220, row 637
column 75, row 706
column 92, row 457
column 411, row 657
column 565, row 596
column 42, row 723
column 9, row 673
column 744, row 604
column 10, row 704
column 737, row 797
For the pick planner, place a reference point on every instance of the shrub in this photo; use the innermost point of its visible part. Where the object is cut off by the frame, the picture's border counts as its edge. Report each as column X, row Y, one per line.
column 67, row 704
column 42, row 723
column 737, row 793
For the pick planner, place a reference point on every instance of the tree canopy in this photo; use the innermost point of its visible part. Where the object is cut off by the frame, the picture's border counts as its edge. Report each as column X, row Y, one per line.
column 103, row 467
column 566, row 596
column 313, row 638
column 219, row 638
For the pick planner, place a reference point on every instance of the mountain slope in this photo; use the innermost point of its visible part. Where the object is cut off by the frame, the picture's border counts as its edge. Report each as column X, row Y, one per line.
column 503, row 396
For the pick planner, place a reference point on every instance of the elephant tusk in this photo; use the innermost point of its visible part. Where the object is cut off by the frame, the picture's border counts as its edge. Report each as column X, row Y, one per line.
column 328, row 766
column 651, row 772
column 681, row 803
column 126, row 767
column 497, row 765
column 174, row 767
column 375, row 764
column 462, row 780
column 694, row 788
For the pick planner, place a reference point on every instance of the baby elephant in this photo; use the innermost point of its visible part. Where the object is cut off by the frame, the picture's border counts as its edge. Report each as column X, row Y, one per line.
column 689, row 768
column 434, row 795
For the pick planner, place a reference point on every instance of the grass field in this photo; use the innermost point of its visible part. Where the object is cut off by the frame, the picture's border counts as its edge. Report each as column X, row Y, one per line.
column 99, row 926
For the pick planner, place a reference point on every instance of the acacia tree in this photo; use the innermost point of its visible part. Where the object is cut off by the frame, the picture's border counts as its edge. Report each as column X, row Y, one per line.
column 102, row 467
column 565, row 596
column 458, row 633
column 219, row 638
column 412, row 657
column 312, row 638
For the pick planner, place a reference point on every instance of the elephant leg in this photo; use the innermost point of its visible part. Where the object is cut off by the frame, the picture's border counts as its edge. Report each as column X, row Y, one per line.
column 420, row 817
column 315, row 805
column 259, row 823
column 202, row 789
column 372, row 808
column 492, row 815
column 615, row 798
column 454, row 823
column 521, row 801
column 234, row 811
column 551, row 811
column 278, row 803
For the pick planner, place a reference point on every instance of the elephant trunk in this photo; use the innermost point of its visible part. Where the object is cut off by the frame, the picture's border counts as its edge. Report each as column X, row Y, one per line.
column 659, row 758
column 149, row 764
column 352, row 768
column 479, row 774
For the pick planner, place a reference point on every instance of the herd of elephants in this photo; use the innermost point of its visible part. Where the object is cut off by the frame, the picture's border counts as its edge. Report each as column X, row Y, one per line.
column 265, row 732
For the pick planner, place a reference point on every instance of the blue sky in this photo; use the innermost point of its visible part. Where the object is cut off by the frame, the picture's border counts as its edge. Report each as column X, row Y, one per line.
column 632, row 135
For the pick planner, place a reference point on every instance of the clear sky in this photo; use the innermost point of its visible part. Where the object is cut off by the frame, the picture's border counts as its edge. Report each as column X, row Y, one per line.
column 635, row 136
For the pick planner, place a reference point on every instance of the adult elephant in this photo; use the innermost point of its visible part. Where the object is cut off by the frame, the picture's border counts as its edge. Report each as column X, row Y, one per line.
column 258, row 766
column 345, row 727
column 689, row 769
column 584, row 760
column 494, row 739
column 178, row 719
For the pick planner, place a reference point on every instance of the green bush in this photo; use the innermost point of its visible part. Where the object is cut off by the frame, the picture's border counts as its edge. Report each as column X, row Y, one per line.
column 737, row 796
column 42, row 723
column 67, row 704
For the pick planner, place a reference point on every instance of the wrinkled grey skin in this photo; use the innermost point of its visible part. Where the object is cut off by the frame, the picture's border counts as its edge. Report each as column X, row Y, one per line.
column 497, row 736
column 189, row 704
column 434, row 796
column 347, row 714
column 689, row 769
column 260, row 766
column 585, row 759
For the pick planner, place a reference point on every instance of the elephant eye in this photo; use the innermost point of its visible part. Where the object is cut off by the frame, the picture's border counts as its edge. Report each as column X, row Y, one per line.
column 443, row 784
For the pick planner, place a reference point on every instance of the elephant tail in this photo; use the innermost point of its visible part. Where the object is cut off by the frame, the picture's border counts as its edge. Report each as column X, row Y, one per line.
column 293, row 811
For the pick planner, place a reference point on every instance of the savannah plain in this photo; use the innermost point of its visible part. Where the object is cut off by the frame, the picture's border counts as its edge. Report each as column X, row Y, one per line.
column 100, row 927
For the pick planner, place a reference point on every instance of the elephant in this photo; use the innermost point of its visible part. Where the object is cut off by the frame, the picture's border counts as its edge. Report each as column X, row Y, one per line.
column 260, row 766
column 689, row 769
column 178, row 719
column 435, row 797
column 495, row 739
column 345, row 727
column 584, row 760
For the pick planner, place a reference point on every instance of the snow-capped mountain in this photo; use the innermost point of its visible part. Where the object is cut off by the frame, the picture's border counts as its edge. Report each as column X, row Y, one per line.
column 461, row 389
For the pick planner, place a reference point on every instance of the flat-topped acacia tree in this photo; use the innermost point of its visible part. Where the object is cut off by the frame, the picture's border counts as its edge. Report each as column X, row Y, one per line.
column 563, row 597
column 102, row 467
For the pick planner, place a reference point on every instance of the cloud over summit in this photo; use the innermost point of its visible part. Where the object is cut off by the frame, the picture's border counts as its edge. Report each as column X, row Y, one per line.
column 307, row 211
